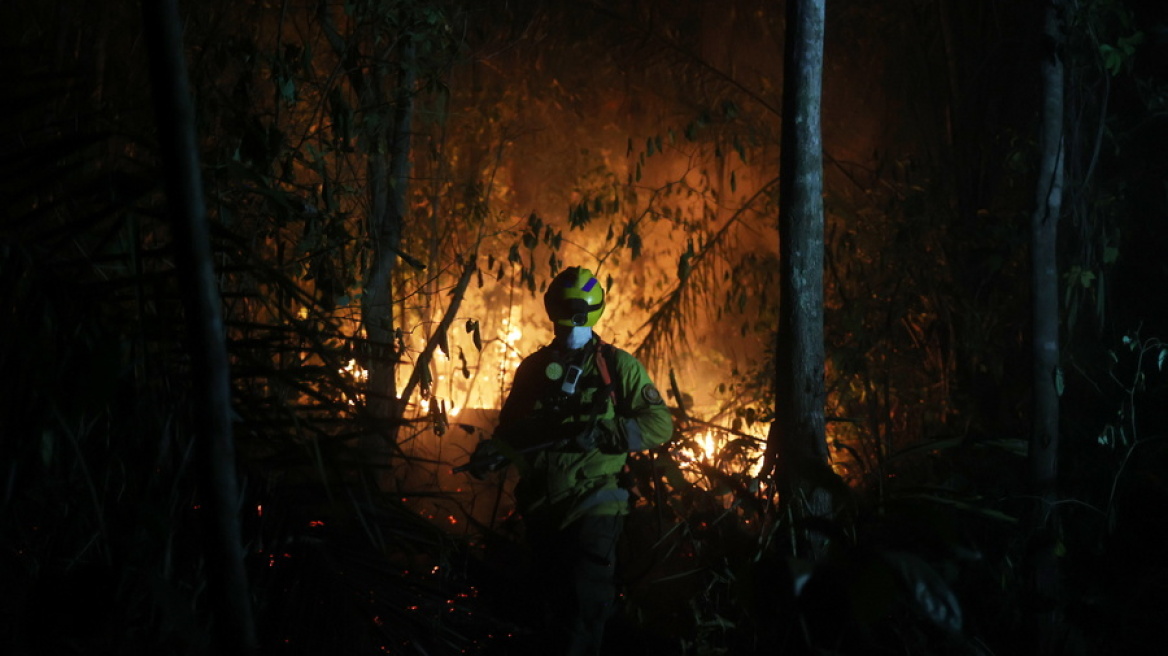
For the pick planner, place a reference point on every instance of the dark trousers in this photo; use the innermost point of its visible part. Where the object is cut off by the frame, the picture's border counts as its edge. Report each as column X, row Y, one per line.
column 578, row 564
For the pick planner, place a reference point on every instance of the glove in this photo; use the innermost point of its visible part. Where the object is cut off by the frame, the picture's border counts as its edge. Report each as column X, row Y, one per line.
column 610, row 438
column 585, row 439
column 603, row 435
column 608, row 435
column 486, row 458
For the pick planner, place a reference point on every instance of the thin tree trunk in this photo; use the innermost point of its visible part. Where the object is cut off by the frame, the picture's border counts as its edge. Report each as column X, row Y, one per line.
column 387, row 169
column 797, row 445
column 427, row 355
column 390, row 234
column 1044, row 438
column 215, row 447
column 389, row 166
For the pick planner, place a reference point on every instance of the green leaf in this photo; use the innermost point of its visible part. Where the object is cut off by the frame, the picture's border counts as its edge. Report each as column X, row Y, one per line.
column 1100, row 296
column 1018, row 447
column 47, row 447
column 1163, row 356
column 1059, row 381
column 927, row 447
column 967, row 506
column 1110, row 60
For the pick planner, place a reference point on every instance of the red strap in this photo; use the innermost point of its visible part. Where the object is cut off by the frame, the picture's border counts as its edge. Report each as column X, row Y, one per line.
column 602, row 365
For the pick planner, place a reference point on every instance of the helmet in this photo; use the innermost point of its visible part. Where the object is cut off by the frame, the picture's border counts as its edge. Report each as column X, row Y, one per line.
column 574, row 298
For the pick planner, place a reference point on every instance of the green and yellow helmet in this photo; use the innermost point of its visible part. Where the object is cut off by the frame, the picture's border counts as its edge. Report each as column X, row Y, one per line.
column 574, row 298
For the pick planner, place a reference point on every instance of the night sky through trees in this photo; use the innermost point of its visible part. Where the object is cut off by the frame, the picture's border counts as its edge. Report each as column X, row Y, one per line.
column 641, row 140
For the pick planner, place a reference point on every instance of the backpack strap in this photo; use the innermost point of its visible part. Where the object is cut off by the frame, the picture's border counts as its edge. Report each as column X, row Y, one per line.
column 604, row 353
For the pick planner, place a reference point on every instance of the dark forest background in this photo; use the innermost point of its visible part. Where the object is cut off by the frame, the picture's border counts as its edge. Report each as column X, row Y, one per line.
column 388, row 186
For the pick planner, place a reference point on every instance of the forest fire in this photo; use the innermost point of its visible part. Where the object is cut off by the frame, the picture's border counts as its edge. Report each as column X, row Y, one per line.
column 269, row 268
column 716, row 449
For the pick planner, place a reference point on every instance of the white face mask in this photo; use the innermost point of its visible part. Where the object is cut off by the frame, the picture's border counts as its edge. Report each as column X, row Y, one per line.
column 576, row 338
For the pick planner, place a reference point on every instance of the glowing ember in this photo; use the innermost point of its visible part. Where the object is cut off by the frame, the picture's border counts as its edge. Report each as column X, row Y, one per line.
column 355, row 371
column 357, row 374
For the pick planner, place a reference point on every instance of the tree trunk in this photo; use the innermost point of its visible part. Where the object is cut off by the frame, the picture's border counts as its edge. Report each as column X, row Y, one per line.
column 215, row 448
column 797, row 447
column 1044, row 438
column 389, row 167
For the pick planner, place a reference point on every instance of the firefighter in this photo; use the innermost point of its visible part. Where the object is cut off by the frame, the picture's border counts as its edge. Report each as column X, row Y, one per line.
column 577, row 408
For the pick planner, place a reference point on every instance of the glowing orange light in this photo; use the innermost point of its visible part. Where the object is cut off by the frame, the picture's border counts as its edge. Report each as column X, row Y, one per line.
column 357, row 373
column 709, row 449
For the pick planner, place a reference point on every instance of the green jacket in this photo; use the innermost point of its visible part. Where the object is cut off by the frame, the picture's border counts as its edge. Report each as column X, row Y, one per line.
column 564, row 482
